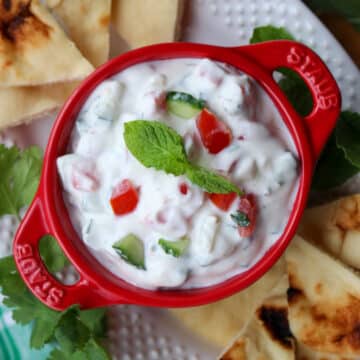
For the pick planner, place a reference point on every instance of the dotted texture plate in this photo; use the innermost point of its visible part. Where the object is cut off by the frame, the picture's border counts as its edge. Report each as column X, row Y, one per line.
column 150, row 334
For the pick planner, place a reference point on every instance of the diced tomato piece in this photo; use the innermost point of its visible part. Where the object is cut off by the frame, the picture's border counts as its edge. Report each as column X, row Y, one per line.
column 215, row 135
column 183, row 188
column 84, row 180
column 124, row 198
column 222, row 201
column 248, row 206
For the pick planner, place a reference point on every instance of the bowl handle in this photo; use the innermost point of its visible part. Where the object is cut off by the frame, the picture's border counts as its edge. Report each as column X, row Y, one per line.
column 324, row 89
column 36, row 276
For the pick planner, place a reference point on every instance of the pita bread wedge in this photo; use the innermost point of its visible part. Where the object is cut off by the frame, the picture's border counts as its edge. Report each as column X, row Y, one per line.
column 145, row 22
column 324, row 301
column 33, row 48
column 304, row 353
column 22, row 104
column 220, row 322
column 91, row 34
column 336, row 228
column 267, row 336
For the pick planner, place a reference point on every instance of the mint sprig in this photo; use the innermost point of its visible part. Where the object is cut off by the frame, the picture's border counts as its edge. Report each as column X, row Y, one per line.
column 158, row 146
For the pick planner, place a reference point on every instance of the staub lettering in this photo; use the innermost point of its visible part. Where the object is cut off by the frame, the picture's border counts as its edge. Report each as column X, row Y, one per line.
column 41, row 282
column 313, row 72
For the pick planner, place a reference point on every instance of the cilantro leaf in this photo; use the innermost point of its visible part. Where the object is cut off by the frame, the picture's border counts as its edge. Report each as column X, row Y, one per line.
column 91, row 351
column 348, row 136
column 19, row 179
column 52, row 254
column 210, row 181
column 71, row 329
column 156, row 145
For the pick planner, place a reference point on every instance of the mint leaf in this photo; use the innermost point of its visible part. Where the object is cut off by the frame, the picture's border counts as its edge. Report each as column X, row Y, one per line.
column 94, row 319
column 348, row 136
column 20, row 171
column 350, row 9
column 211, row 182
column 156, row 145
column 268, row 33
column 297, row 92
column 333, row 168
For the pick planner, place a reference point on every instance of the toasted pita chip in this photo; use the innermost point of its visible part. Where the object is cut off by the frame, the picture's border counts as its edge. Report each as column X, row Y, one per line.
column 324, row 301
column 22, row 104
column 91, row 33
column 220, row 322
column 33, row 48
column 336, row 228
column 145, row 22
column 267, row 336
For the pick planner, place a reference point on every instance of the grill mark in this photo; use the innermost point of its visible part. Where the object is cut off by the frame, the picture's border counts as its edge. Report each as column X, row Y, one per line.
column 276, row 323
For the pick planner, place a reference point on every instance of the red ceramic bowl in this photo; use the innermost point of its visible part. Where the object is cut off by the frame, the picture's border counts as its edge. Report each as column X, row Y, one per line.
column 48, row 215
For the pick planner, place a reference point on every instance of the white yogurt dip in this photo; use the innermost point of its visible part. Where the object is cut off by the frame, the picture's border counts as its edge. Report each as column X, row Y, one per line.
column 260, row 159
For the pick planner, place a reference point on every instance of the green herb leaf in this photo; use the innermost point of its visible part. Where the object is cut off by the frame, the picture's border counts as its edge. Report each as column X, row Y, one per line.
column 268, row 33
column 350, row 9
column 19, row 178
column 156, row 145
column 91, row 351
column 68, row 329
column 348, row 136
column 333, row 168
column 297, row 92
column 174, row 248
column 210, row 181
column 240, row 218
column 52, row 255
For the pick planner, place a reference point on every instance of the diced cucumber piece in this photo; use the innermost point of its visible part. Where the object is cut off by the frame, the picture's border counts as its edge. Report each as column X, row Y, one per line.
column 183, row 105
column 174, row 248
column 131, row 249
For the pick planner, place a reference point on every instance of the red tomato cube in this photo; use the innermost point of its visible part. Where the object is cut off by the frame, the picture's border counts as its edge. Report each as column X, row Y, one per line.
column 222, row 201
column 248, row 206
column 215, row 135
column 124, row 198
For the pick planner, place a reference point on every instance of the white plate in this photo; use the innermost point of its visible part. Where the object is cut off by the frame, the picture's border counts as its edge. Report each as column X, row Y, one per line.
column 142, row 333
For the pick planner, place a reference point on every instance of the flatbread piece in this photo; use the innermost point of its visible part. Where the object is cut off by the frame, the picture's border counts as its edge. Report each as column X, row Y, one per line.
column 267, row 336
column 324, row 301
column 22, row 104
column 336, row 228
column 91, row 33
column 145, row 22
column 221, row 321
column 34, row 49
